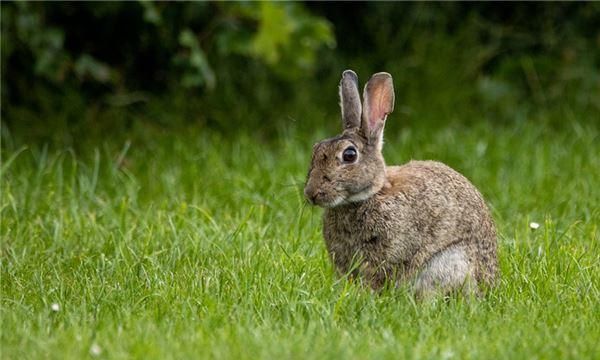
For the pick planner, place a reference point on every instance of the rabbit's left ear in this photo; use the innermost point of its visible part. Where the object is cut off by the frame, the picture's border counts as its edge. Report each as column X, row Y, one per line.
column 378, row 102
column 350, row 100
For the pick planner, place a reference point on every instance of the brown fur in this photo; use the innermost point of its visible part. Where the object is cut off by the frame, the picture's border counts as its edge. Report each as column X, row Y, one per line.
column 421, row 222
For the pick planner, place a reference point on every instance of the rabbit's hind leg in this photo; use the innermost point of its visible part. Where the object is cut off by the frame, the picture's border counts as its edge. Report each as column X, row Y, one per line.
column 447, row 271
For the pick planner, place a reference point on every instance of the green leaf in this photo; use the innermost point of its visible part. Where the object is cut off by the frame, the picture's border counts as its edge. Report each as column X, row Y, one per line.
column 151, row 14
column 274, row 32
column 87, row 66
column 198, row 71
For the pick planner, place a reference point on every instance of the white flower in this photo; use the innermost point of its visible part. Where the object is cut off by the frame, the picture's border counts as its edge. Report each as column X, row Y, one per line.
column 95, row 349
column 447, row 354
column 55, row 307
column 534, row 225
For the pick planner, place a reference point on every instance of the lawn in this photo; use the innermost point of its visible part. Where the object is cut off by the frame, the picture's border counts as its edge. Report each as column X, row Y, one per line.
column 193, row 244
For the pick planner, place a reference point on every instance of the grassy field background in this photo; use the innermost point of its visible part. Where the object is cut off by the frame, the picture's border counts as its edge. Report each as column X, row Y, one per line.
column 190, row 243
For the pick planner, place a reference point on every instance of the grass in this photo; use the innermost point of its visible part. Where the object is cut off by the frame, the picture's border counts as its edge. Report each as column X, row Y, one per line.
column 191, row 244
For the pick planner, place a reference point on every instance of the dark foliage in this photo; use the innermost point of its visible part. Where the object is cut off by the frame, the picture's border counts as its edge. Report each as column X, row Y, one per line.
column 236, row 66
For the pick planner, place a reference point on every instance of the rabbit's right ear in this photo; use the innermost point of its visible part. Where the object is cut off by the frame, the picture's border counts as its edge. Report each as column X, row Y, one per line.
column 350, row 100
column 378, row 99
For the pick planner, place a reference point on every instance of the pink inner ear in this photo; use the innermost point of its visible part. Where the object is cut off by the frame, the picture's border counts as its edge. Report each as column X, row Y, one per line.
column 381, row 102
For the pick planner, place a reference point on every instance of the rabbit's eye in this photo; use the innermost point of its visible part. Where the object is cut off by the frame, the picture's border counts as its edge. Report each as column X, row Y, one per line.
column 349, row 155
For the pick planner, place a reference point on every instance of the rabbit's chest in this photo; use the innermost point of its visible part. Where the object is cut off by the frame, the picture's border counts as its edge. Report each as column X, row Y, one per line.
column 357, row 233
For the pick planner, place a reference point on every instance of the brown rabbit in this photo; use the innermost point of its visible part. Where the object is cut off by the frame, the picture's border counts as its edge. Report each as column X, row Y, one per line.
column 421, row 222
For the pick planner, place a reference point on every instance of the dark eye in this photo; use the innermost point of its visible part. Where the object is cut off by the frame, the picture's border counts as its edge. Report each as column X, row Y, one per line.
column 349, row 155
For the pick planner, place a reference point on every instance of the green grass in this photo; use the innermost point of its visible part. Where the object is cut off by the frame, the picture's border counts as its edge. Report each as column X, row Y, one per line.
column 191, row 244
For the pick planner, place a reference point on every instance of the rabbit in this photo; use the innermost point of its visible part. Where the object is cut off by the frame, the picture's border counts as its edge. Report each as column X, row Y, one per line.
column 421, row 223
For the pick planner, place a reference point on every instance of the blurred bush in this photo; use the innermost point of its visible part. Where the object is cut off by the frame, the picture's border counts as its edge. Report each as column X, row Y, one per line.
column 261, row 65
column 151, row 45
column 501, row 60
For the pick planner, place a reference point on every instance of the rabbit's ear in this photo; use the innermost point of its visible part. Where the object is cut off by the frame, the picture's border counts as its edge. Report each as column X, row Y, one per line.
column 378, row 98
column 350, row 100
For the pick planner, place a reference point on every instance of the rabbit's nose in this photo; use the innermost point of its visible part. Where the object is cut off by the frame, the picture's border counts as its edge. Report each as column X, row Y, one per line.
column 312, row 196
column 316, row 196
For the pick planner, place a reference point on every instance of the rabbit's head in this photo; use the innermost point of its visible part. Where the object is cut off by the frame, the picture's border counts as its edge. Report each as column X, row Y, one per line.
column 350, row 167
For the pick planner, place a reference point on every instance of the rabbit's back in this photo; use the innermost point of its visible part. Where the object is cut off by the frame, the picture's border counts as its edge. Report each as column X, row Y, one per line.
column 424, row 208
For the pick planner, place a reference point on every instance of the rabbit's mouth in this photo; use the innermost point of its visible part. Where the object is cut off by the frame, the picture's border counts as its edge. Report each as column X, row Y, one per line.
column 330, row 201
column 333, row 203
column 339, row 197
column 323, row 199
